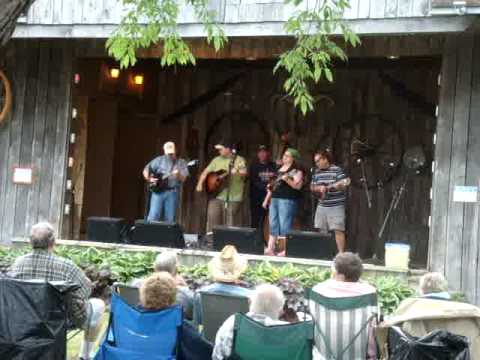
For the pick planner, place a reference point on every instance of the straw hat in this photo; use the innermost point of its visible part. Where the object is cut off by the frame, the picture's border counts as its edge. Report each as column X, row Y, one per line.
column 228, row 265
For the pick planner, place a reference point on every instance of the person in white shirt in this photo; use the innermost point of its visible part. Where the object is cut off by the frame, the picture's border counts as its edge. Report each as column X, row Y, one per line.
column 266, row 305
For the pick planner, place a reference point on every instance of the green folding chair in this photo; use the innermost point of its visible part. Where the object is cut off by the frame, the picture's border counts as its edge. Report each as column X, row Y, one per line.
column 342, row 324
column 255, row 341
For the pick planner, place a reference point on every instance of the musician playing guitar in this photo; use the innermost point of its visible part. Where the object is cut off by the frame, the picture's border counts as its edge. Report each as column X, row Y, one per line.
column 329, row 183
column 224, row 207
column 165, row 174
column 282, row 199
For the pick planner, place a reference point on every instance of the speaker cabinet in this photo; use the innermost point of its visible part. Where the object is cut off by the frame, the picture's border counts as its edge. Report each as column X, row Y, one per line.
column 156, row 233
column 106, row 229
column 311, row 245
column 246, row 240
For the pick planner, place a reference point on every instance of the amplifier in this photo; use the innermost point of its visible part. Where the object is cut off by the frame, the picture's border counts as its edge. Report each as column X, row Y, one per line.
column 156, row 233
column 246, row 240
column 106, row 229
column 311, row 245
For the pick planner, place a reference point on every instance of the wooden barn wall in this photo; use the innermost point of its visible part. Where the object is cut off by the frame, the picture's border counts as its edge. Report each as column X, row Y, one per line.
column 35, row 134
column 454, row 235
column 66, row 12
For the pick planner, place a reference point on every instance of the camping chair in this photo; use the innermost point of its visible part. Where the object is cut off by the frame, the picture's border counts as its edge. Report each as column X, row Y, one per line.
column 136, row 334
column 216, row 308
column 130, row 294
column 253, row 340
column 33, row 319
column 342, row 324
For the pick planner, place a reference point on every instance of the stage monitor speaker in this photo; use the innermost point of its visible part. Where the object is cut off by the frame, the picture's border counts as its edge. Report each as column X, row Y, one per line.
column 246, row 240
column 311, row 245
column 156, row 233
column 106, row 229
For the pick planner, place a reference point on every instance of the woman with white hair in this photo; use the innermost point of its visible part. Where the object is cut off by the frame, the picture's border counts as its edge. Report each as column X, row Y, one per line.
column 266, row 305
column 434, row 285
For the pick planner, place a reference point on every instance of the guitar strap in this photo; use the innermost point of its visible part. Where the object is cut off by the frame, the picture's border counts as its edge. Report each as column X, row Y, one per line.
column 229, row 175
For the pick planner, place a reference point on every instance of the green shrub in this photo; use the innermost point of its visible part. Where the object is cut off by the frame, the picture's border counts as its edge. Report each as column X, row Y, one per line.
column 124, row 266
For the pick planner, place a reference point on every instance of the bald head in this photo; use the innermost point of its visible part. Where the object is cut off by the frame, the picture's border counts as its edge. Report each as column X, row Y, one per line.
column 42, row 236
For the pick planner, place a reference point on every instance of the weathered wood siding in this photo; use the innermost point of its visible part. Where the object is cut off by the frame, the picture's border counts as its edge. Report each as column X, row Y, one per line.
column 35, row 134
column 57, row 12
column 454, row 235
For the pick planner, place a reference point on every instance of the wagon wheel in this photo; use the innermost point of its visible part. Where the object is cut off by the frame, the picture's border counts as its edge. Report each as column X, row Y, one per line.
column 374, row 143
column 5, row 96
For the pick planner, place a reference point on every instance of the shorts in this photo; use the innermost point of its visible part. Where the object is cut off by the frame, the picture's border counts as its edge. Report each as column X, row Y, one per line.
column 330, row 218
column 281, row 214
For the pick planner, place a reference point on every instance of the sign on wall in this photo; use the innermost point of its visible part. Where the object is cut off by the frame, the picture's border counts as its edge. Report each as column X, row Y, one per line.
column 22, row 175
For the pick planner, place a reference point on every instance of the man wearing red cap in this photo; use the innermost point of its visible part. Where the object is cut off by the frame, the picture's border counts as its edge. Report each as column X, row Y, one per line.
column 165, row 174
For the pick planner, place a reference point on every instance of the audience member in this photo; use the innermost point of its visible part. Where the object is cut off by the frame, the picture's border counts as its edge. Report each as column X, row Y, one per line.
column 434, row 285
column 157, row 292
column 266, row 304
column 225, row 270
column 167, row 261
column 433, row 310
column 42, row 264
column 345, row 282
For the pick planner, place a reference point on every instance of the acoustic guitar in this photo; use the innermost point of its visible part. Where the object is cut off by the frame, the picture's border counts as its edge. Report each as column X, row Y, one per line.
column 216, row 182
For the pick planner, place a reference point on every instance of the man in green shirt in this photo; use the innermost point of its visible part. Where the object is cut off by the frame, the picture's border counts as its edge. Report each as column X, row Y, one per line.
column 225, row 208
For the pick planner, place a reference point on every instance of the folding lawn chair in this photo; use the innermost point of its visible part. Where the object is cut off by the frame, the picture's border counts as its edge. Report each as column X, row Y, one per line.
column 253, row 340
column 342, row 325
column 216, row 308
column 136, row 334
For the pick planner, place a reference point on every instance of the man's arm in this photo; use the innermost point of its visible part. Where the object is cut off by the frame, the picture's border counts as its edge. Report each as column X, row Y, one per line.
column 181, row 172
column 240, row 169
column 343, row 181
column 203, row 177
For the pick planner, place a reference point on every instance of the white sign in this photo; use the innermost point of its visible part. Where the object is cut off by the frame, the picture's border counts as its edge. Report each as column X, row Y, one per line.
column 22, row 175
column 465, row 194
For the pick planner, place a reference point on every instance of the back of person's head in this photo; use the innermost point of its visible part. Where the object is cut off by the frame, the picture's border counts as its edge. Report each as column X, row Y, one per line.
column 158, row 291
column 42, row 236
column 267, row 300
column 166, row 261
column 433, row 282
column 349, row 266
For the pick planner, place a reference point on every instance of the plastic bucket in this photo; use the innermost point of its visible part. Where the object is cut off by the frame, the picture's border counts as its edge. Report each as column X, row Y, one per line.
column 397, row 255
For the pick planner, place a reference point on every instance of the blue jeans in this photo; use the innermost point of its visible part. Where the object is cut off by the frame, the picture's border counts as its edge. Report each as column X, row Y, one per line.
column 163, row 204
column 281, row 215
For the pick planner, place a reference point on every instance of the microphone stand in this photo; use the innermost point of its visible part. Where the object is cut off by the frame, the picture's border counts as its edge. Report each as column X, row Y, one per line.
column 365, row 182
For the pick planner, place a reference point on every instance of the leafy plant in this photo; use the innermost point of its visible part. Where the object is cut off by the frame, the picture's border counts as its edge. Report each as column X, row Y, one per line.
column 391, row 291
column 104, row 267
column 148, row 22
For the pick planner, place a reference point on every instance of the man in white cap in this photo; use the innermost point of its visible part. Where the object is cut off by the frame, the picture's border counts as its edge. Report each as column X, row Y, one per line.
column 225, row 208
column 165, row 174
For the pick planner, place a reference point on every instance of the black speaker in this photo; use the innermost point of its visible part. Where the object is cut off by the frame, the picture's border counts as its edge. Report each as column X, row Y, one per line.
column 156, row 233
column 106, row 229
column 246, row 240
column 311, row 245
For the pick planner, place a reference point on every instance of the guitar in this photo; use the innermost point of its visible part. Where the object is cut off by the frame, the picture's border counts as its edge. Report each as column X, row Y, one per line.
column 161, row 180
column 216, row 182
column 328, row 187
column 273, row 185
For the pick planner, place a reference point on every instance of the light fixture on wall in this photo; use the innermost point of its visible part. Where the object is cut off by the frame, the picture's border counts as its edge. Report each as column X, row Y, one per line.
column 114, row 72
column 138, row 79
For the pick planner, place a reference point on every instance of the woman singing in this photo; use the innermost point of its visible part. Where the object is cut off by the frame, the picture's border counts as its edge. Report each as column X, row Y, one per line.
column 283, row 196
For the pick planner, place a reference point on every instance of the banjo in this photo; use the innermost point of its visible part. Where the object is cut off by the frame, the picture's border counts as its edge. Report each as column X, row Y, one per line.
column 161, row 179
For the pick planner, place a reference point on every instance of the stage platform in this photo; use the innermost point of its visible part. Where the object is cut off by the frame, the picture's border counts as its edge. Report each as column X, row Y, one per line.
column 190, row 257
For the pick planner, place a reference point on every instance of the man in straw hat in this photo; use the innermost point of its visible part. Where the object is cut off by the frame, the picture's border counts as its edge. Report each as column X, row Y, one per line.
column 165, row 174
column 225, row 270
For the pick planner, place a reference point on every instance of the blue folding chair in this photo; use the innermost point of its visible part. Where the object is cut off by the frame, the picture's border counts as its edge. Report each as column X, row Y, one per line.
column 136, row 334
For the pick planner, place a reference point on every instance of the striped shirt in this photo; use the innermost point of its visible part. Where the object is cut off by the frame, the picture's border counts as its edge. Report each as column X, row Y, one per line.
column 43, row 265
column 327, row 177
